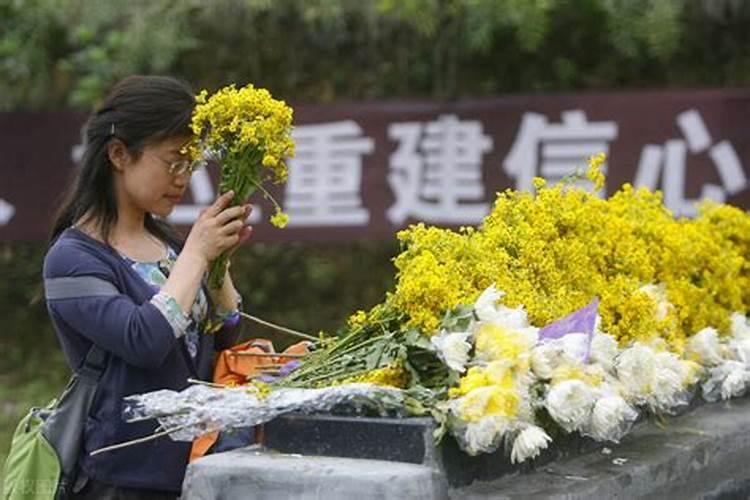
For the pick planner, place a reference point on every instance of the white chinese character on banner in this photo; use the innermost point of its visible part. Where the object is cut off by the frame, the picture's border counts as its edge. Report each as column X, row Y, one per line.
column 325, row 176
column 437, row 169
column 76, row 152
column 203, row 195
column 554, row 150
column 7, row 211
column 668, row 160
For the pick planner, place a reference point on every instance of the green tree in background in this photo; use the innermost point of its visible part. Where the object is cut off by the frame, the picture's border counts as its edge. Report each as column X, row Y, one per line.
column 66, row 53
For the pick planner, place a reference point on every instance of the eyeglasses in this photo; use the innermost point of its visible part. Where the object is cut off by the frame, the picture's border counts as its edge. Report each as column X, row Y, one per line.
column 180, row 167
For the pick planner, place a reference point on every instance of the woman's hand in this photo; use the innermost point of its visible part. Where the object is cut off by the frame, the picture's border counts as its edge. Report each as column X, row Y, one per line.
column 218, row 229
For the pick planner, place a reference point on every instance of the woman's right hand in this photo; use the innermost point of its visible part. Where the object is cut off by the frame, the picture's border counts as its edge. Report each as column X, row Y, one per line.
column 217, row 228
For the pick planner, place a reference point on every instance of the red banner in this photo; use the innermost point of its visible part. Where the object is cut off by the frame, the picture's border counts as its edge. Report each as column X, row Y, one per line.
column 362, row 171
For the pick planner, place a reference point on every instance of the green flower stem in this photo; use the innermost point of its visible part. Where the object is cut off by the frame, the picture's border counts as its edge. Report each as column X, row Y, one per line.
column 363, row 344
column 266, row 194
column 279, row 328
column 239, row 173
column 328, row 362
column 335, row 375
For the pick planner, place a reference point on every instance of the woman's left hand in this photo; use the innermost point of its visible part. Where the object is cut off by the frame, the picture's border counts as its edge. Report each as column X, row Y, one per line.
column 245, row 232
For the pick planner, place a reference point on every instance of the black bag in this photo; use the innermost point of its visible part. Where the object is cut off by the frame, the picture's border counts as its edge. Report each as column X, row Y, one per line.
column 31, row 469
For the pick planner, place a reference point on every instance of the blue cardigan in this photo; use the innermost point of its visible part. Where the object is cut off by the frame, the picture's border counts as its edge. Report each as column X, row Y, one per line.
column 94, row 296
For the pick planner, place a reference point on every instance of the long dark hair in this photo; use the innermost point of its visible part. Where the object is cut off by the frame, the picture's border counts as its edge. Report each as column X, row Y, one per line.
column 140, row 110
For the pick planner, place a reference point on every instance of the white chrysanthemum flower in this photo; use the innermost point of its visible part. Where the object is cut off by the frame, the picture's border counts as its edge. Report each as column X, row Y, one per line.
column 575, row 345
column 545, row 358
column 656, row 379
column 740, row 350
column 516, row 319
column 669, row 389
column 488, row 311
column 687, row 372
column 484, row 435
column 493, row 342
column 636, row 371
column 705, row 346
column 453, row 349
column 604, row 350
column 739, row 344
column 485, row 306
column 724, row 381
column 736, row 381
column 529, row 444
column 569, row 403
column 739, row 327
column 531, row 333
column 551, row 354
column 611, row 418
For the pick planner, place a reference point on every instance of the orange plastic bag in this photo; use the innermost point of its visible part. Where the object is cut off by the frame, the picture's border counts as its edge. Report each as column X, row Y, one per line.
column 233, row 369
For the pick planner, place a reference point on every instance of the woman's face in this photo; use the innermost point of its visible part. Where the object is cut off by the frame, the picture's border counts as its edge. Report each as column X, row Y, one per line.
column 148, row 185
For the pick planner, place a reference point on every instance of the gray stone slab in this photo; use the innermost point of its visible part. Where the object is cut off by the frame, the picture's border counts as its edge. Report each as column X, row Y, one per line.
column 702, row 454
column 250, row 473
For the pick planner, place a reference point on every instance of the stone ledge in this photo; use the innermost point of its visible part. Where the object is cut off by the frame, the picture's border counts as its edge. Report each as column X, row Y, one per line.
column 263, row 475
column 701, row 454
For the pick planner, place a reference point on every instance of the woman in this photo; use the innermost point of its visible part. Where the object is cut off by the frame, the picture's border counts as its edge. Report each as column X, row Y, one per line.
column 118, row 277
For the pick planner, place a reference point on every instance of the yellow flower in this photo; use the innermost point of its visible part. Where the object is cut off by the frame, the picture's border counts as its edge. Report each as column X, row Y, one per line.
column 248, row 131
column 594, row 174
column 357, row 319
column 280, row 219
column 270, row 161
column 592, row 375
column 259, row 389
column 389, row 376
column 473, row 379
column 499, row 373
column 494, row 342
column 488, row 401
column 553, row 251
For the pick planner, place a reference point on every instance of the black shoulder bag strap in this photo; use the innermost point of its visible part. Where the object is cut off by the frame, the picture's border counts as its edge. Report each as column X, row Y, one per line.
column 65, row 425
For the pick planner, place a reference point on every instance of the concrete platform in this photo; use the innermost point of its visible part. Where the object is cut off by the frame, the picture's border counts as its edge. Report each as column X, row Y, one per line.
column 703, row 454
column 259, row 475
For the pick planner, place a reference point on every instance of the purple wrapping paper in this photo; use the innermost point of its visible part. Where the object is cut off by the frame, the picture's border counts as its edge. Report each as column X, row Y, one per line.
column 580, row 321
column 285, row 370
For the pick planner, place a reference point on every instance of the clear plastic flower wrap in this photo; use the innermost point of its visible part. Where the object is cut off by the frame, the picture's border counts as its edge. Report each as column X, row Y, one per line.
column 200, row 409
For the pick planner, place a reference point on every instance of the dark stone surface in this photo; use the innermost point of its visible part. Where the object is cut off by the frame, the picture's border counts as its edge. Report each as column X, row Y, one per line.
column 407, row 440
column 395, row 439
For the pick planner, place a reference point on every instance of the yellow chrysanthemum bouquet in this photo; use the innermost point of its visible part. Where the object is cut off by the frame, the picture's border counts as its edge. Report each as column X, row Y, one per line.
column 248, row 133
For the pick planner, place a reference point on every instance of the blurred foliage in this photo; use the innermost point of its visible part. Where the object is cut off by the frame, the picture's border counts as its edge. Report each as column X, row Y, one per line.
column 66, row 53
